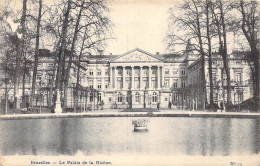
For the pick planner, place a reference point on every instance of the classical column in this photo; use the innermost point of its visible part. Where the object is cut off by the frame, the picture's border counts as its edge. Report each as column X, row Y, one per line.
column 162, row 76
column 141, row 76
column 158, row 77
column 132, row 77
column 110, row 77
column 150, row 75
column 116, row 77
column 124, row 76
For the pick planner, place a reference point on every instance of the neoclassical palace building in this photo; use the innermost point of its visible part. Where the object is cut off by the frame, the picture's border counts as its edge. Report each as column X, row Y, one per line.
column 138, row 79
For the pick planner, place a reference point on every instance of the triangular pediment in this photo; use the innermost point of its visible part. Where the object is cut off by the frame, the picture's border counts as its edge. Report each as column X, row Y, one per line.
column 137, row 55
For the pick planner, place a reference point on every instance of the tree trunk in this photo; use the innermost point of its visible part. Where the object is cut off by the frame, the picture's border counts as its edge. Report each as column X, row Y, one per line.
column 202, row 57
column 78, row 72
column 61, row 56
column 210, row 57
column 36, row 56
column 24, row 79
column 67, row 72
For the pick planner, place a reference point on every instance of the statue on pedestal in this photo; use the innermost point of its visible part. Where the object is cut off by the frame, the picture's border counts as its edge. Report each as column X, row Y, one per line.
column 58, row 108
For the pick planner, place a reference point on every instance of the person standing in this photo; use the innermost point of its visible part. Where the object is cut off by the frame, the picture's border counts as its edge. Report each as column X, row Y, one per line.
column 221, row 106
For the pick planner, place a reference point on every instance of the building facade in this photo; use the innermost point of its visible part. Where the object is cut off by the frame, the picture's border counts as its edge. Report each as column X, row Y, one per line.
column 138, row 79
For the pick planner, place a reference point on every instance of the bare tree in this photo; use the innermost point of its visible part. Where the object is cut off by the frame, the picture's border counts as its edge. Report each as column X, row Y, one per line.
column 220, row 10
column 36, row 56
column 250, row 27
column 190, row 19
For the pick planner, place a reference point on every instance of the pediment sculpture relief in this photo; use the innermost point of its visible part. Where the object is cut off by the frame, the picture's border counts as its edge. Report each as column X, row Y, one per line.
column 137, row 57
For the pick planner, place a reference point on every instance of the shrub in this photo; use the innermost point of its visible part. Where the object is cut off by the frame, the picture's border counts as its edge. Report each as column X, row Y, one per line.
column 140, row 122
column 213, row 107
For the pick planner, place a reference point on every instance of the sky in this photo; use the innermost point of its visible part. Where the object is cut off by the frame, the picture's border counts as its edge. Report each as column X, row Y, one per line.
column 139, row 24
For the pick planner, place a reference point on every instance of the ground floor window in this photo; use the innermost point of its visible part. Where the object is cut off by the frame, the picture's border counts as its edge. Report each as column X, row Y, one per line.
column 99, row 97
column 175, row 96
column 91, row 97
column 119, row 97
column 154, row 97
column 137, row 97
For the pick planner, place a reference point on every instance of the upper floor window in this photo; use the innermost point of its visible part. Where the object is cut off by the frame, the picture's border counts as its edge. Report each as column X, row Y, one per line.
column 99, row 72
column 38, row 77
column 137, row 72
column 153, row 71
column 175, row 72
column 90, row 84
column 99, row 84
column 106, row 84
column 167, row 71
column 238, row 61
column 166, row 83
column 120, row 72
column 128, row 72
column 175, row 84
column 106, row 72
column 182, row 71
column 238, row 78
column 91, row 72
column 145, row 72
column 183, row 83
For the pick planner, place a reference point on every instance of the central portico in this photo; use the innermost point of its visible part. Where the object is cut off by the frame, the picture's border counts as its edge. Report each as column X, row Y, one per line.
column 136, row 79
column 136, row 70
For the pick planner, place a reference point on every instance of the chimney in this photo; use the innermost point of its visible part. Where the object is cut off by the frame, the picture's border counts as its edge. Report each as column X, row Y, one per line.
column 110, row 54
column 157, row 53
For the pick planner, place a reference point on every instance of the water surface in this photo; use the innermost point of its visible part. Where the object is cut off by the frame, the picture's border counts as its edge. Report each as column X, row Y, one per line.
column 115, row 135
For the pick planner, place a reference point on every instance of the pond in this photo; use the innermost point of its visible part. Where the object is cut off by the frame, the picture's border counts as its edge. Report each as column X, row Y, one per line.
column 116, row 135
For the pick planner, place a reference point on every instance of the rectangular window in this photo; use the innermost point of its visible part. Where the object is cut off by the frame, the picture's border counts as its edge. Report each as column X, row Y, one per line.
column 166, row 83
column 128, row 72
column 38, row 77
column 106, row 72
column 214, row 78
column 175, row 97
column 90, row 83
column 106, row 84
column 99, row 84
column 183, row 83
column 238, row 61
column 154, row 82
column 167, row 71
column 145, row 72
column 175, row 84
column 91, row 72
column 119, row 83
column 154, row 71
column 145, row 82
column 137, row 72
column 91, row 97
column 182, row 71
column 238, row 78
column 99, row 97
column 128, row 82
column 120, row 72
column 99, row 72
column 175, row 71
column 137, row 82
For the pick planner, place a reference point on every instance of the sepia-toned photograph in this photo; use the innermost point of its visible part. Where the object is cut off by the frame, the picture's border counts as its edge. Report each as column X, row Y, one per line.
column 129, row 82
